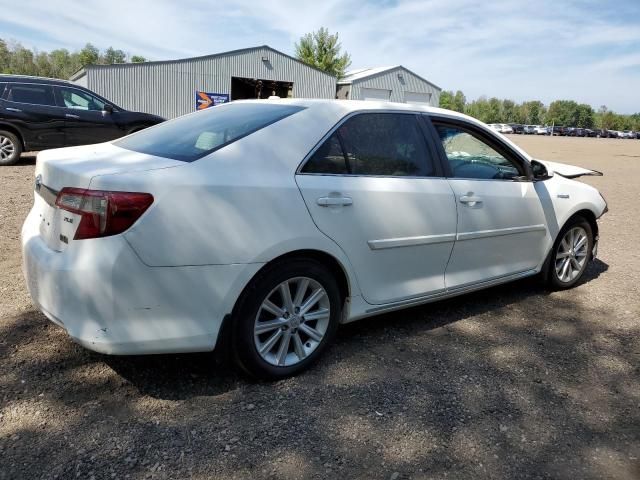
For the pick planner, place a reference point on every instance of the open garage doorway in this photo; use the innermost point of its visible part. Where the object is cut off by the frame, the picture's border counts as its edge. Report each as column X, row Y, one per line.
column 243, row 88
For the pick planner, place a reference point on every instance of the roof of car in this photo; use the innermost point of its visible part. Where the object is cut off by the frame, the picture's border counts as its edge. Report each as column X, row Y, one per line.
column 31, row 78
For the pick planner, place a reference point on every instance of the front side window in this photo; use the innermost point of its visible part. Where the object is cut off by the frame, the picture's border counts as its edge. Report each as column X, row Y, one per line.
column 193, row 136
column 471, row 157
column 79, row 100
column 382, row 144
column 32, row 94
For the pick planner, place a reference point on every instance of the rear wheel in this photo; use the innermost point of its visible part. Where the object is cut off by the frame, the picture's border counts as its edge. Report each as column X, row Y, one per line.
column 571, row 254
column 10, row 148
column 285, row 319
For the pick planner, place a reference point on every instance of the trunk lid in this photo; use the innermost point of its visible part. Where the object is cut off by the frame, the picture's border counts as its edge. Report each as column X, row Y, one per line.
column 76, row 167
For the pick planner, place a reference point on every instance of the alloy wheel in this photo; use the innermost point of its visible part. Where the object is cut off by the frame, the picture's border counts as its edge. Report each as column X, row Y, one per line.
column 292, row 321
column 7, row 148
column 572, row 254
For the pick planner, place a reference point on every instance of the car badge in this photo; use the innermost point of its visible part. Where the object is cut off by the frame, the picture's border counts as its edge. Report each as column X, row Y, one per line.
column 38, row 182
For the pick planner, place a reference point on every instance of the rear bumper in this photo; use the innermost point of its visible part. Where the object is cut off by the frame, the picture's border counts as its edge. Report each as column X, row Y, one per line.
column 110, row 302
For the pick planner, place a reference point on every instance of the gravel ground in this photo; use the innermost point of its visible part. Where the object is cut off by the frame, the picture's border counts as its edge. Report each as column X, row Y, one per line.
column 512, row 382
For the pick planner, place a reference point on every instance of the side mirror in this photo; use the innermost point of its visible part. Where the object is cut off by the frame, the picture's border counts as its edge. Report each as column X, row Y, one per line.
column 540, row 172
column 108, row 108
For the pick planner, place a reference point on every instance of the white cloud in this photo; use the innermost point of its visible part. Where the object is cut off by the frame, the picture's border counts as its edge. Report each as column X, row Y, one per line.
column 521, row 50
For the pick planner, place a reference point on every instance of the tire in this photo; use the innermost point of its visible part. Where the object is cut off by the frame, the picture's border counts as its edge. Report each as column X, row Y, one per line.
column 253, row 329
column 10, row 148
column 559, row 276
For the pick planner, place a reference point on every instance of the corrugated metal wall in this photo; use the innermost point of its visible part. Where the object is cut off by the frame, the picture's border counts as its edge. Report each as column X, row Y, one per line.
column 168, row 88
column 390, row 81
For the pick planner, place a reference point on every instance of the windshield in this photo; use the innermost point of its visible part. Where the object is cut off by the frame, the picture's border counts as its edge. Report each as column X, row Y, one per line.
column 191, row 137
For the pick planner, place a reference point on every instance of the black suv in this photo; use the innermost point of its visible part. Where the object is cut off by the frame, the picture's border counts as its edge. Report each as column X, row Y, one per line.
column 39, row 113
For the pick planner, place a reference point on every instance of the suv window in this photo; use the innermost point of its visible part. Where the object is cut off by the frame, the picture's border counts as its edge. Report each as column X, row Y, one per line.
column 385, row 144
column 471, row 157
column 79, row 100
column 31, row 93
column 193, row 136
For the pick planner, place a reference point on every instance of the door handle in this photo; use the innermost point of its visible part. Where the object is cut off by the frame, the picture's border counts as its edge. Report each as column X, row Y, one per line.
column 11, row 109
column 470, row 199
column 70, row 115
column 335, row 201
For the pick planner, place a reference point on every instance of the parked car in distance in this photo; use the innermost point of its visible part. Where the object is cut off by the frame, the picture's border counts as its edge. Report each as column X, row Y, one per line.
column 590, row 133
column 504, row 128
column 628, row 134
column 541, row 130
column 569, row 131
column 40, row 113
column 517, row 128
column 221, row 229
column 557, row 130
column 495, row 126
column 529, row 129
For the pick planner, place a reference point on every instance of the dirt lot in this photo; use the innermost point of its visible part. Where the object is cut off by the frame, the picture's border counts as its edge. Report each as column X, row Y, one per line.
column 513, row 382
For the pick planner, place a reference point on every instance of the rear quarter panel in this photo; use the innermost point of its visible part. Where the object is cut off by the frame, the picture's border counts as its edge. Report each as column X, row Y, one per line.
column 238, row 205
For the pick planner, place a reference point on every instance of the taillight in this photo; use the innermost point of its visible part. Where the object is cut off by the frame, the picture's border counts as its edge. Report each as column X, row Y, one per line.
column 103, row 213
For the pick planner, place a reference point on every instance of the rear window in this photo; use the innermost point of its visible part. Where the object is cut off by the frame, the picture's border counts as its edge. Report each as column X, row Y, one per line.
column 193, row 136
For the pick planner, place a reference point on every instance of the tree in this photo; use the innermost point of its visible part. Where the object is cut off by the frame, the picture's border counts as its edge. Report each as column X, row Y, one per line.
column 446, row 99
column 60, row 63
column 322, row 50
column 113, row 56
column 138, row 59
column 459, row 102
column 89, row 55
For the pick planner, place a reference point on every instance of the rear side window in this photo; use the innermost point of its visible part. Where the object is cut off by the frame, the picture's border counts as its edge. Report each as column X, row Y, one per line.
column 377, row 144
column 30, row 93
column 193, row 136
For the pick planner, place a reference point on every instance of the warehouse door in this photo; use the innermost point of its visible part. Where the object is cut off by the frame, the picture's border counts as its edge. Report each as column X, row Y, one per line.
column 245, row 88
column 375, row 94
column 417, row 98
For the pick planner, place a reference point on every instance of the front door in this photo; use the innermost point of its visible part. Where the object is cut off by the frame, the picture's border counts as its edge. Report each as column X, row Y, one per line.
column 501, row 224
column 374, row 187
column 86, row 120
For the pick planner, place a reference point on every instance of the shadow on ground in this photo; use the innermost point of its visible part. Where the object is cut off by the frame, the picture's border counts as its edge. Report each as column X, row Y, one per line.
column 511, row 382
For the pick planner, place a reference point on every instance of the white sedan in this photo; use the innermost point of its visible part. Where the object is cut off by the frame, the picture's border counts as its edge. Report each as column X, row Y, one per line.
column 263, row 225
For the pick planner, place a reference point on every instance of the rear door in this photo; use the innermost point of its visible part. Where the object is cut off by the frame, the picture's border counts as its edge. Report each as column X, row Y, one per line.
column 86, row 120
column 501, row 222
column 374, row 186
column 31, row 108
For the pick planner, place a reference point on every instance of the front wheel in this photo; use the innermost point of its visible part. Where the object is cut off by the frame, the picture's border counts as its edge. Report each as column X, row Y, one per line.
column 285, row 319
column 570, row 255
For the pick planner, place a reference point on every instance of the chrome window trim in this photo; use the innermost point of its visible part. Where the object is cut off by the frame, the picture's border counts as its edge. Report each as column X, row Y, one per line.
column 495, row 136
column 104, row 100
column 340, row 123
column 34, row 104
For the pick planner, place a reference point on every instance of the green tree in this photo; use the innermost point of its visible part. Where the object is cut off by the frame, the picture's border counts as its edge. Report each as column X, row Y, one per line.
column 446, row 99
column 5, row 57
column 585, row 116
column 322, row 50
column 89, row 55
column 113, row 56
column 138, row 59
column 459, row 102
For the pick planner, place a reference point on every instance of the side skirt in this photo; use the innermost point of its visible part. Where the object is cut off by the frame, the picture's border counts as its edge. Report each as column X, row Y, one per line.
column 452, row 292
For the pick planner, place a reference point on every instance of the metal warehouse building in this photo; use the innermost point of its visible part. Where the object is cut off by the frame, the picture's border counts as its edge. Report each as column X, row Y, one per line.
column 172, row 88
column 397, row 84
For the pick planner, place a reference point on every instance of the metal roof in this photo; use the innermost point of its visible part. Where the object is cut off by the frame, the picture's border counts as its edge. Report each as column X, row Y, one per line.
column 361, row 73
column 82, row 71
column 364, row 73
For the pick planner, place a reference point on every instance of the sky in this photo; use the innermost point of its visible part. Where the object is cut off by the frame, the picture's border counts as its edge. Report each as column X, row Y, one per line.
column 583, row 50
